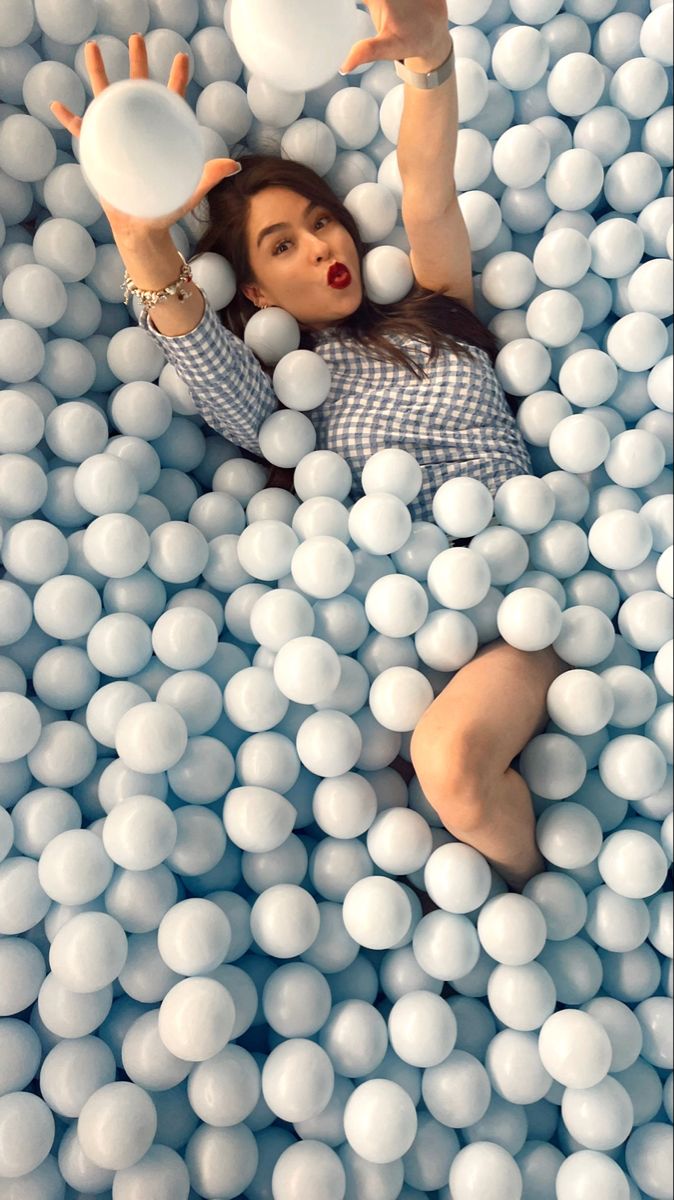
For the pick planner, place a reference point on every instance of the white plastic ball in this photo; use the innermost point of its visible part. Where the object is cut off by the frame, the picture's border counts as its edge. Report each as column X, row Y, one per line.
column 457, row 878
column 21, row 726
column 285, row 920
column 617, row 246
column 27, row 1133
column 639, row 87
column 521, row 156
column 482, row 217
column 89, row 952
column 139, row 833
column 271, row 333
column 487, row 1170
column 302, row 380
column 522, row 997
column 511, row 929
column 523, row 366
column 575, row 1048
column 377, row 913
column 257, row 819
column 151, row 737
column 632, row 863
column 307, row 670
column 193, row 937
column 520, row 58
column 399, row 841
column 529, row 619
column 134, row 174
column 270, row 105
column 297, row 1079
column 308, row 1167
column 422, row 1028
column 196, row 1018
column 74, row 867
column 605, row 131
column 632, row 182
column 459, row 578
column 161, row 1171
column 446, row 945
column 637, row 342
column 562, row 258
column 472, row 88
column 554, row 318
column 508, row 280
column 575, row 84
column 649, row 1158
column 387, row 274
column 299, row 52
column 380, row 1120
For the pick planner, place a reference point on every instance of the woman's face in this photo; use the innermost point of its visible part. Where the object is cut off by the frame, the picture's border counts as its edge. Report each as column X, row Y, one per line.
column 292, row 244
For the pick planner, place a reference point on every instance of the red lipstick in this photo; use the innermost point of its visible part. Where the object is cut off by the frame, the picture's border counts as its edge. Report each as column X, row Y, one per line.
column 339, row 276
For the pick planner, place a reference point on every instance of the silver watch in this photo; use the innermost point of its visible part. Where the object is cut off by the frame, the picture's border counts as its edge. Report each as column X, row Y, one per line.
column 429, row 79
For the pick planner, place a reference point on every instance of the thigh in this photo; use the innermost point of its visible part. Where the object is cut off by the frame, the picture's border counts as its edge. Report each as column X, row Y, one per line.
column 495, row 704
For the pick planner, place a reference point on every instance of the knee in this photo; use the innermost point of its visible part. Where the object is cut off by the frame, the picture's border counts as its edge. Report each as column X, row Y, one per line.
column 452, row 772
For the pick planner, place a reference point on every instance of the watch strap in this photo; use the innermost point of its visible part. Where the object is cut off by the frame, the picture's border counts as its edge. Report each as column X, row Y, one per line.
column 429, row 79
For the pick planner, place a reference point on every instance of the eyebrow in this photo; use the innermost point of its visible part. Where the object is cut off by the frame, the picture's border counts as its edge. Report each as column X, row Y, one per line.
column 282, row 224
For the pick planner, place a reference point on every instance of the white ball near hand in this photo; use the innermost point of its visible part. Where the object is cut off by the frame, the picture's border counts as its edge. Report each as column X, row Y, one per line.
column 298, row 45
column 140, row 148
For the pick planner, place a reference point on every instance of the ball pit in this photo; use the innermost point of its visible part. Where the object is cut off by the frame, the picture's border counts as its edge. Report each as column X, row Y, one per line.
column 240, row 956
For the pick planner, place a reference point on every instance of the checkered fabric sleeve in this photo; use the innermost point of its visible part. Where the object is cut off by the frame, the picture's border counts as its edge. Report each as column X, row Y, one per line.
column 229, row 388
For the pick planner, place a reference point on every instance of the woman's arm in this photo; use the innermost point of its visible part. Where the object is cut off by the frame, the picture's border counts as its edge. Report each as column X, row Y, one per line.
column 229, row 388
column 153, row 263
column 417, row 32
column 440, row 251
column 428, row 134
column 227, row 383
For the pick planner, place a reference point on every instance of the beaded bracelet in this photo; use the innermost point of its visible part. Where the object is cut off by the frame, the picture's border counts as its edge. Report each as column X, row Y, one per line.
column 149, row 298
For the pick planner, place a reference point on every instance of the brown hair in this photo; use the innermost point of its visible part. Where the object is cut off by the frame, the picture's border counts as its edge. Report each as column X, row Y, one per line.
column 433, row 318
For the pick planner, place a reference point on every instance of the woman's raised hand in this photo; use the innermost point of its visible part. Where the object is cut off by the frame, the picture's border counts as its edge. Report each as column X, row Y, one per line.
column 405, row 29
column 214, row 170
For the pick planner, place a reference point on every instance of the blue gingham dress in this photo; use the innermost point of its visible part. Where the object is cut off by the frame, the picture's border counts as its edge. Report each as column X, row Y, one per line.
column 455, row 421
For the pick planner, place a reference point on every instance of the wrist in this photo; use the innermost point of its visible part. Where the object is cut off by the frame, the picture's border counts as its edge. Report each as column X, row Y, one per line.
column 433, row 58
column 151, row 263
column 138, row 240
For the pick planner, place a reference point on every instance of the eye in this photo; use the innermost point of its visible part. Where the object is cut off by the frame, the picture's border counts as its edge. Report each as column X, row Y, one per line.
column 278, row 249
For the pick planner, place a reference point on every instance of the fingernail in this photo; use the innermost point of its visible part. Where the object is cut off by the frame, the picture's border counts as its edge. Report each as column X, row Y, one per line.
column 238, row 170
column 342, row 73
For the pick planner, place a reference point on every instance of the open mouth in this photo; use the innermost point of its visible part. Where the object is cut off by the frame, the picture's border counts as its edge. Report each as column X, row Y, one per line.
column 339, row 276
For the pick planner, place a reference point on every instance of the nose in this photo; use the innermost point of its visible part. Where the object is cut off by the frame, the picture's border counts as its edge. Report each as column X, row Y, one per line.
column 318, row 247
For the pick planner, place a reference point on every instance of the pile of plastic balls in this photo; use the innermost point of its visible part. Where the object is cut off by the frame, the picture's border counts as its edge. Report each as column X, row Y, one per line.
column 217, row 976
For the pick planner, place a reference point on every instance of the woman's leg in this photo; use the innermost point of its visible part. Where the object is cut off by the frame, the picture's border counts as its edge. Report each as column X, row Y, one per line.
column 464, row 744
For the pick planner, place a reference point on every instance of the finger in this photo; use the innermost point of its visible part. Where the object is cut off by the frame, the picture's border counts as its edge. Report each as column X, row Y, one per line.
column 68, row 119
column 179, row 77
column 96, row 68
column 138, row 65
column 367, row 51
column 215, row 170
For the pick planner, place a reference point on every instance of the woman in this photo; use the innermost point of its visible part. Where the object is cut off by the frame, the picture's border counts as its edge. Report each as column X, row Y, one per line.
column 418, row 374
